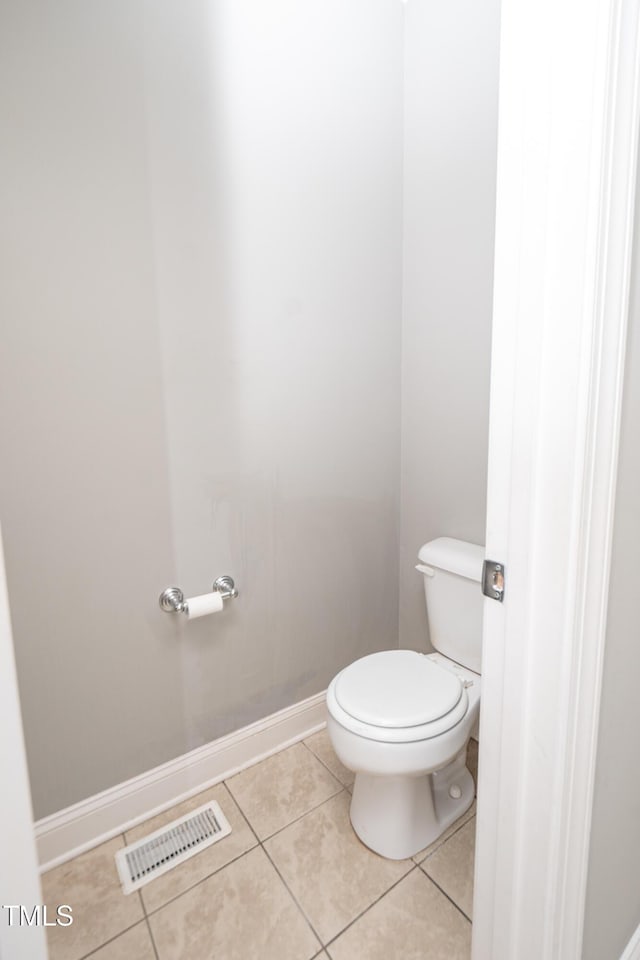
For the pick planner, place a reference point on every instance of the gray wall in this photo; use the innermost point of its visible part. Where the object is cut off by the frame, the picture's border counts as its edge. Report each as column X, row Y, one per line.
column 200, row 298
column 201, row 301
column 451, row 101
column 613, row 890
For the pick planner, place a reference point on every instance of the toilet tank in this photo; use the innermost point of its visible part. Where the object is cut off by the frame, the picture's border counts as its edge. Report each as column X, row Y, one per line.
column 452, row 570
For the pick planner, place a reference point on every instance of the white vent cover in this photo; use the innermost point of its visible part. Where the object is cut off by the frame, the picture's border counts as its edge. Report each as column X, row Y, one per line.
column 141, row 862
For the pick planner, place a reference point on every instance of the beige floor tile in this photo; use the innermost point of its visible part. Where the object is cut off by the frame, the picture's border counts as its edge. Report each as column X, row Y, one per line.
column 89, row 884
column 135, row 944
column 414, row 921
column 451, row 866
column 320, row 744
column 282, row 788
column 471, row 812
column 192, row 871
column 242, row 911
column 333, row 876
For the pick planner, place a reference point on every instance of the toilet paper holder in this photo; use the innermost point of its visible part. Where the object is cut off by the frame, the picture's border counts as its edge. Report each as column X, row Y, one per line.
column 172, row 600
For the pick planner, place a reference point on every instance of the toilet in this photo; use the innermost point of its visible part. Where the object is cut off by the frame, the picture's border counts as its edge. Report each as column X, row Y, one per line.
column 402, row 720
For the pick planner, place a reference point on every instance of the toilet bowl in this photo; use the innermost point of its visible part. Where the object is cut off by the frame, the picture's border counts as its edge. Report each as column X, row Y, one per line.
column 401, row 720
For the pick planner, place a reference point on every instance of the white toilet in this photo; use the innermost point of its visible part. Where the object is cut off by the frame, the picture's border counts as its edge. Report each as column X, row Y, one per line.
column 402, row 720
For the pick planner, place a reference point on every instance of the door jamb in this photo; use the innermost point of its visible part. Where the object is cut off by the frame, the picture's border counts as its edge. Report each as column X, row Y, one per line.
column 567, row 158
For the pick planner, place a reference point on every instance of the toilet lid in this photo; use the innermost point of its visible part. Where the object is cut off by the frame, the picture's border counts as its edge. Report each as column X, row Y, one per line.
column 397, row 688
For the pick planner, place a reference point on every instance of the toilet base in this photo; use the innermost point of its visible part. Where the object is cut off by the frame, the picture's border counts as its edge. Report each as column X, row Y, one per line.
column 398, row 817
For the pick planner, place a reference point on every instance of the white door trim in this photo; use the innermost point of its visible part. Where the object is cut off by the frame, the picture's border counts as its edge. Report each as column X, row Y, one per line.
column 568, row 128
column 19, row 881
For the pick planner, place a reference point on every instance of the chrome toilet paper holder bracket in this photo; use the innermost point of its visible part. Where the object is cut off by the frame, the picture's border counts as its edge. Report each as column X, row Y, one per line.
column 172, row 600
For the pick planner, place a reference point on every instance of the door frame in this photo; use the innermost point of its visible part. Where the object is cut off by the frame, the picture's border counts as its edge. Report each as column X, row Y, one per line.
column 19, row 878
column 567, row 162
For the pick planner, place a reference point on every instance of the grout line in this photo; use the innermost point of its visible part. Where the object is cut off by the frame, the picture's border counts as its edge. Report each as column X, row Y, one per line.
column 413, row 867
column 366, row 910
column 340, row 787
column 153, row 942
column 428, row 856
column 320, row 760
column 258, row 843
column 156, row 910
column 306, row 813
column 296, row 901
column 259, row 839
column 85, row 956
column 253, row 846
column 445, row 894
column 241, row 811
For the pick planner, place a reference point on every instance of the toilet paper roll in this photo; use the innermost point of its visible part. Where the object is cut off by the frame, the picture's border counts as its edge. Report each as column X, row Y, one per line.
column 204, row 605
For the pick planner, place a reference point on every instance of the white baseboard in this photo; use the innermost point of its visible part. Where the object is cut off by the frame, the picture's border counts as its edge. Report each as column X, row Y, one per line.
column 632, row 949
column 65, row 834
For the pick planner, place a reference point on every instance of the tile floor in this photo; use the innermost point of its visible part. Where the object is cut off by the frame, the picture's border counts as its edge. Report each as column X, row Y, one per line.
column 291, row 882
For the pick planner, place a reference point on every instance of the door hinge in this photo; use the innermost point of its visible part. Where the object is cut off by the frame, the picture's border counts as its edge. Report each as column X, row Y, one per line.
column 493, row 580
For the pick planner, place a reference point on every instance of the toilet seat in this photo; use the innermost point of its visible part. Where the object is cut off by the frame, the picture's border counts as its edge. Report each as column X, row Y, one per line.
column 397, row 696
column 397, row 688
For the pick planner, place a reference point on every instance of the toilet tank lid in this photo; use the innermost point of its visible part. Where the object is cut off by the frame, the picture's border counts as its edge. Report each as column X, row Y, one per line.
column 454, row 556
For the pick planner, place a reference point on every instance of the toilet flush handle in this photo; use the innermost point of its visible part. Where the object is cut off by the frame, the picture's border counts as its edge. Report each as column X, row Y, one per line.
column 427, row 571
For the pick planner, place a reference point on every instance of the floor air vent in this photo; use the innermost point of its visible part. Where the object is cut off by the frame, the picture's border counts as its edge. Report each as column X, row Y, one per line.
column 152, row 856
